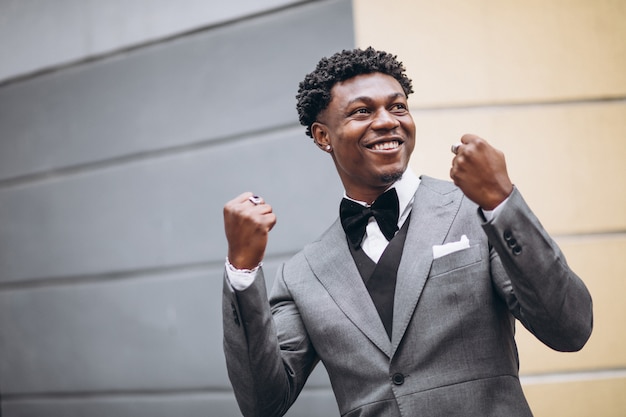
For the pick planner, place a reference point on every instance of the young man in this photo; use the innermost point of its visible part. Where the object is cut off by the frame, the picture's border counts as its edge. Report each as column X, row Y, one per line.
column 410, row 297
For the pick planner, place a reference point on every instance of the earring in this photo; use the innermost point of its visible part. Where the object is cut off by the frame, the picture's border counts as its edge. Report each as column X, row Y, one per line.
column 328, row 148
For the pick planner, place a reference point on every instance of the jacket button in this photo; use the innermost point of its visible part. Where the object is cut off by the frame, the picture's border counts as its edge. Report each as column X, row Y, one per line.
column 517, row 249
column 398, row 379
column 508, row 235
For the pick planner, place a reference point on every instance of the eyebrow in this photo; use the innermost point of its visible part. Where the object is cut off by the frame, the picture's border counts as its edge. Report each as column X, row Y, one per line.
column 369, row 99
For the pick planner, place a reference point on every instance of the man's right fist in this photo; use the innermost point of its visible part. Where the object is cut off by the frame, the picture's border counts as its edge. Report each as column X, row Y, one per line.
column 247, row 223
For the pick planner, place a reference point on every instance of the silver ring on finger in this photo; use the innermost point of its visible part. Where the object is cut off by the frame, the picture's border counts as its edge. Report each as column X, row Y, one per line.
column 255, row 199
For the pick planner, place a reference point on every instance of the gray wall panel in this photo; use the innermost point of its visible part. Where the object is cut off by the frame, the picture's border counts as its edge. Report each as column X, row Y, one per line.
column 77, row 29
column 164, row 212
column 237, row 78
column 112, row 336
column 147, row 333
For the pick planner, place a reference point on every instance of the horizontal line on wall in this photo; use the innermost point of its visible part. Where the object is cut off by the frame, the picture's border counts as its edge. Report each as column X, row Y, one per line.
column 77, row 169
column 30, row 283
column 558, row 378
column 97, row 57
column 132, row 393
column 202, row 391
column 198, row 267
column 115, row 161
column 506, row 105
column 143, row 273
column 42, row 396
column 149, row 273
column 612, row 234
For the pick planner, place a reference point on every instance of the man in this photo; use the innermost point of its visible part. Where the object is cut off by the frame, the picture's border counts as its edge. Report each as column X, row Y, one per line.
column 413, row 316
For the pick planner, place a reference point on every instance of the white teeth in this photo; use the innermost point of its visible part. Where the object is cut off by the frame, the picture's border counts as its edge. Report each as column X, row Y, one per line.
column 386, row 146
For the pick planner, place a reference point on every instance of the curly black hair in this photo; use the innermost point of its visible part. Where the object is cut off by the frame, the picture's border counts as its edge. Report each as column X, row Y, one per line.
column 314, row 91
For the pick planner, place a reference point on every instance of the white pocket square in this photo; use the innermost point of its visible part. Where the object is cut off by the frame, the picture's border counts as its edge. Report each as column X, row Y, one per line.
column 448, row 248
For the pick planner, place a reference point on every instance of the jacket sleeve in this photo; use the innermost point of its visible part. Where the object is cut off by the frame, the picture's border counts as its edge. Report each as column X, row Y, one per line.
column 531, row 274
column 268, row 354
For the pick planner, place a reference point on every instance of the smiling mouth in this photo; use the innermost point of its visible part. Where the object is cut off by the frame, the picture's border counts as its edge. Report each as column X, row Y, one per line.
column 385, row 146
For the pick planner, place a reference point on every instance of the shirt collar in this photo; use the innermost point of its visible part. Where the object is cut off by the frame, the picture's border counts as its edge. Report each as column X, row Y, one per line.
column 406, row 187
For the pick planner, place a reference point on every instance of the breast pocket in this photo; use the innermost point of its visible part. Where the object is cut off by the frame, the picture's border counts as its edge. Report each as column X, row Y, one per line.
column 456, row 260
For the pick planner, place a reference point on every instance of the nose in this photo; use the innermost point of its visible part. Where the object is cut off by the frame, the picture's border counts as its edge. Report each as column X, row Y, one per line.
column 385, row 120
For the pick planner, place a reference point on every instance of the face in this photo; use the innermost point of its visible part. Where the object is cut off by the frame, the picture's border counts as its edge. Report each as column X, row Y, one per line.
column 370, row 131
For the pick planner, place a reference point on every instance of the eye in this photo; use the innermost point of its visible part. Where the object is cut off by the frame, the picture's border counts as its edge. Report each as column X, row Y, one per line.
column 399, row 108
column 361, row 110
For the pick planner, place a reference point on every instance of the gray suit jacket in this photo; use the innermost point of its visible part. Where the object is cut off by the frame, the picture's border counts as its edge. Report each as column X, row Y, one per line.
column 452, row 351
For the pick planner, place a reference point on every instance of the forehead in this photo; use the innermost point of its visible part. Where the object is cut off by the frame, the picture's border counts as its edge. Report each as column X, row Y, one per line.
column 366, row 86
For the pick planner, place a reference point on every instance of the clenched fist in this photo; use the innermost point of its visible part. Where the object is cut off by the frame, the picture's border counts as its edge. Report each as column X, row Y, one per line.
column 247, row 225
column 479, row 170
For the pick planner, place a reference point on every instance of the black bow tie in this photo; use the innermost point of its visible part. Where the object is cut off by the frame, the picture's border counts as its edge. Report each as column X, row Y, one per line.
column 354, row 216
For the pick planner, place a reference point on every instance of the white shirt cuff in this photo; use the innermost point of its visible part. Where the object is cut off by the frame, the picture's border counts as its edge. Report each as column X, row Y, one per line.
column 490, row 214
column 240, row 279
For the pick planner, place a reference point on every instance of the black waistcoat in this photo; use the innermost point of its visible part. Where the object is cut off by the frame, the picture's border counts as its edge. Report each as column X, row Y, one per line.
column 380, row 278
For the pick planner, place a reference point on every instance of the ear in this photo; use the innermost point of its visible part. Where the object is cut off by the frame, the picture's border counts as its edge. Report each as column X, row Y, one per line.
column 319, row 131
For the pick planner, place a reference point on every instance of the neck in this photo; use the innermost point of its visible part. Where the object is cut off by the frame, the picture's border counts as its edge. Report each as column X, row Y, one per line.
column 370, row 194
column 366, row 197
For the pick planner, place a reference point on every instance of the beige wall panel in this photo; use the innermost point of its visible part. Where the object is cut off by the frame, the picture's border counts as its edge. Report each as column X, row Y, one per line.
column 595, row 398
column 461, row 52
column 568, row 160
column 600, row 262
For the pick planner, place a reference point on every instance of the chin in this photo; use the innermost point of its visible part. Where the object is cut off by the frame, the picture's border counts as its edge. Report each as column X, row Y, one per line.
column 391, row 177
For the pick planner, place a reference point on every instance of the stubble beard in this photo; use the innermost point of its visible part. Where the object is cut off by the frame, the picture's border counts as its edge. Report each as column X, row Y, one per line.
column 391, row 177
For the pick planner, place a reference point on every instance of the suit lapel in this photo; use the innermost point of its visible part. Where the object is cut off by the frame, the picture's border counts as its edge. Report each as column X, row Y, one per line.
column 434, row 208
column 332, row 264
